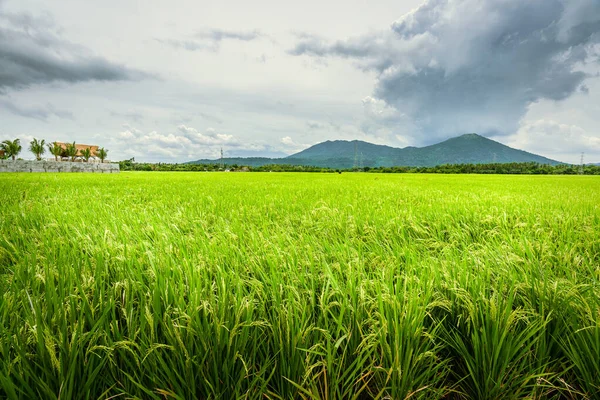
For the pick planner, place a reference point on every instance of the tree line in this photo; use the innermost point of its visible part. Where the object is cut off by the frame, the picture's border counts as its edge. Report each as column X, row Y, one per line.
column 524, row 168
column 12, row 148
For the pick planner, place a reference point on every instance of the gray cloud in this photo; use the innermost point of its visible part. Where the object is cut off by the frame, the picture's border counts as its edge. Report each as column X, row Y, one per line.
column 210, row 39
column 315, row 125
column 314, row 45
column 32, row 52
column 209, row 117
column 128, row 115
column 217, row 35
column 451, row 67
column 42, row 113
column 329, row 126
column 191, row 44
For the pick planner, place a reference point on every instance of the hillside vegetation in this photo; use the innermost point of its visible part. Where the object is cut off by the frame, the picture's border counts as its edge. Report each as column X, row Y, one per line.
column 342, row 154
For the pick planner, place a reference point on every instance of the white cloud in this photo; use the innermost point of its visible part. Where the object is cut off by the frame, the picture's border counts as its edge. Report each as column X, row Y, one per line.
column 555, row 140
column 185, row 143
column 288, row 141
column 209, row 137
column 380, row 111
column 291, row 146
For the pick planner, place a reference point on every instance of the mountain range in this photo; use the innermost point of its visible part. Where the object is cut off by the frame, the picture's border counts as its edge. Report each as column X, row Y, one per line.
column 465, row 149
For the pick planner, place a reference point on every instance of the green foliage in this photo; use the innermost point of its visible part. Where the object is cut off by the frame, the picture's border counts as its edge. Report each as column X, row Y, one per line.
column 37, row 148
column 11, row 148
column 71, row 151
column 86, row 154
column 291, row 286
column 55, row 149
column 529, row 168
column 102, row 153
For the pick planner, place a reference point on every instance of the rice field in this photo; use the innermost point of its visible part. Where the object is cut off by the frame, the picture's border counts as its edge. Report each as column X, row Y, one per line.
column 299, row 286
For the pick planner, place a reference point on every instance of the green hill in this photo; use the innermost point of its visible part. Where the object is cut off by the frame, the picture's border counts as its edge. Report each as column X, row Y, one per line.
column 465, row 149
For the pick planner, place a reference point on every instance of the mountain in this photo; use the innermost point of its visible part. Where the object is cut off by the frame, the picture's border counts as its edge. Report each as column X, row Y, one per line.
column 466, row 149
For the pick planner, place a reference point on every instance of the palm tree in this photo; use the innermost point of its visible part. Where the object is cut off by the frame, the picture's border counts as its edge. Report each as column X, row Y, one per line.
column 101, row 153
column 86, row 154
column 55, row 149
column 37, row 148
column 71, row 151
column 11, row 148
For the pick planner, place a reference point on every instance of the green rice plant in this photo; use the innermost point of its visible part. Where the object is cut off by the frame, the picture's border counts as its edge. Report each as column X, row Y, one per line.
column 289, row 286
column 409, row 362
column 581, row 346
column 291, row 331
column 493, row 348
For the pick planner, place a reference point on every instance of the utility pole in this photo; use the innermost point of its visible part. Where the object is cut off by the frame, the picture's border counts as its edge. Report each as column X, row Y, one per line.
column 222, row 164
column 581, row 165
column 355, row 166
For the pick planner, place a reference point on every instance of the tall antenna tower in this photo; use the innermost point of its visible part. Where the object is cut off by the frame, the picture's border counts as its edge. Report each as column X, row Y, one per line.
column 581, row 165
column 360, row 165
column 355, row 166
column 222, row 164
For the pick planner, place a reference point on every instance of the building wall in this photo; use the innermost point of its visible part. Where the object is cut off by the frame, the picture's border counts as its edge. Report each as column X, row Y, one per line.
column 56, row 166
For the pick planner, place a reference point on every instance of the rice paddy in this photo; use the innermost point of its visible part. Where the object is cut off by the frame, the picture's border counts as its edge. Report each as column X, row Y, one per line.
column 299, row 286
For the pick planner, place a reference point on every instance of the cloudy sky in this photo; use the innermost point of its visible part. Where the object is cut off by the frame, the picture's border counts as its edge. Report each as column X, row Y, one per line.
column 176, row 81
